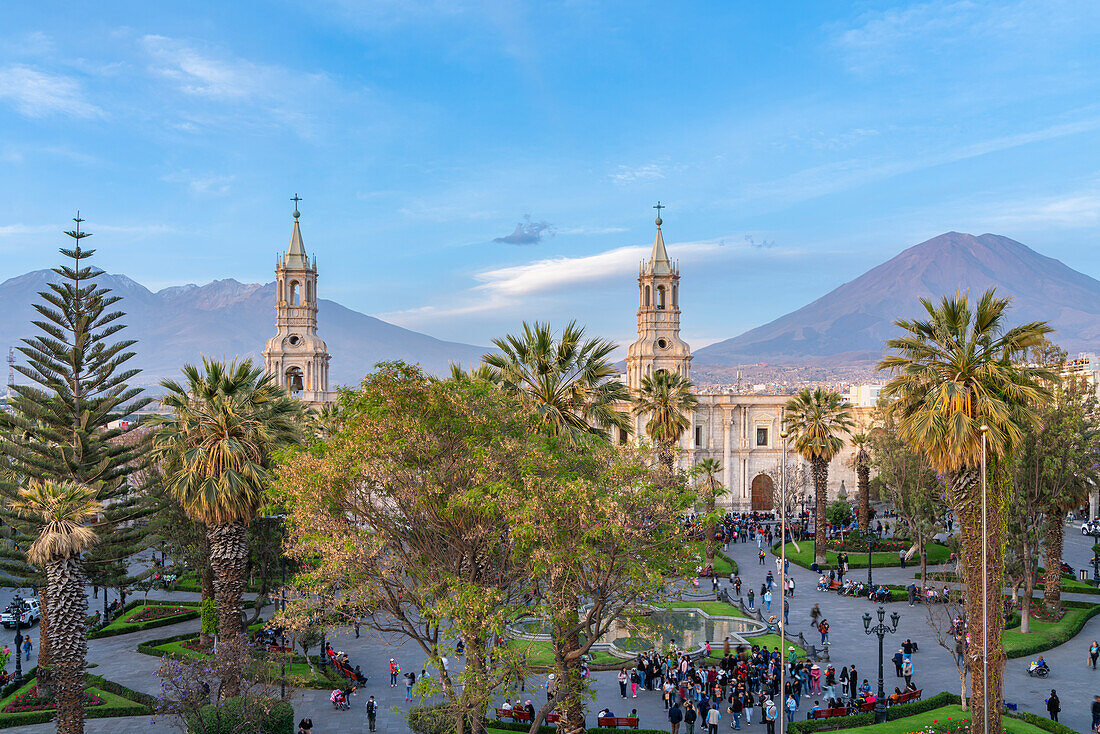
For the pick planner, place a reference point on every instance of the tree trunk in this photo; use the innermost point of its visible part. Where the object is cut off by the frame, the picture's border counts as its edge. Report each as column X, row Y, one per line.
column 863, row 481
column 923, row 567
column 228, row 558
column 1029, row 590
column 70, row 636
column 819, row 467
column 567, row 667
column 984, row 629
column 473, row 707
column 1052, row 560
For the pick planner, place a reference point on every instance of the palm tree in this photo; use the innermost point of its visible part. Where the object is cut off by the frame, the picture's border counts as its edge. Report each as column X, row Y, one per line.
column 666, row 398
column 62, row 510
column 954, row 373
column 710, row 468
column 863, row 478
column 566, row 380
column 818, row 419
column 217, row 446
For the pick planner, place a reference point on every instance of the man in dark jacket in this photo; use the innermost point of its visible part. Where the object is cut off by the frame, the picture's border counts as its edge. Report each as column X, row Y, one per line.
column 675, row 716
column 898, row 659
column 1053, row 705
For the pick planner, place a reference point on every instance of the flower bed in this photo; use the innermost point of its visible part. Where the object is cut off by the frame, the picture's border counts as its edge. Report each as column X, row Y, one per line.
column 857, row 544
column 28, row 701
column 152, row 613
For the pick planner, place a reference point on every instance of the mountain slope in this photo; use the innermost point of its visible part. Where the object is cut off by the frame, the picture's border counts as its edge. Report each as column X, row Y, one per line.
column 850, row 323
column 226, row 319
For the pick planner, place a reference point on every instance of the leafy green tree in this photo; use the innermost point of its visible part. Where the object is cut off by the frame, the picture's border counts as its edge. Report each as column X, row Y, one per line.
column 954, row 372
column 818, row 419
column 566, row 380
column 62, row 511
column 217, row 446
column 64, row 425
column 665, row 397
column 420, row 486
column 839, row 513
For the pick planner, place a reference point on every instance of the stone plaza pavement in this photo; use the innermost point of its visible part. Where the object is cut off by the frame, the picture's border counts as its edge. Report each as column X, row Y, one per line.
column 116, row 658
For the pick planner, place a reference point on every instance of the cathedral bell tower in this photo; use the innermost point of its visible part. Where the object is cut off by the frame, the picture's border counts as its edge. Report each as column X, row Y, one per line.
column 658, row 346
column 296, row 357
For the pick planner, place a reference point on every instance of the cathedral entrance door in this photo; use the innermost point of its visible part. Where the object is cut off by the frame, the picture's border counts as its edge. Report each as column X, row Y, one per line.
column 762, row 493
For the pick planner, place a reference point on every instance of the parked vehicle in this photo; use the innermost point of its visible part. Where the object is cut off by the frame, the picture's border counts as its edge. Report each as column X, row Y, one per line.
column 28, row 615
column 1090, row 527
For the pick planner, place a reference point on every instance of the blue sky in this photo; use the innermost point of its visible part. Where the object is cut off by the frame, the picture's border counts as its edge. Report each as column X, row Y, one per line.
column 468, row 164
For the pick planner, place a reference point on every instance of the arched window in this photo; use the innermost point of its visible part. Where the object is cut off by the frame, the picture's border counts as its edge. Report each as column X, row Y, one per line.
column 660, row 296
column 676, row 296
column 294, row 381
column 647, row 296
column 295, row 294
column 309, row 291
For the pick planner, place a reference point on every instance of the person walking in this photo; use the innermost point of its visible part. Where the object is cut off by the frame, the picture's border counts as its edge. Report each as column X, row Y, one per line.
column 675, row 716
column 823, row 628
column 305, row 726
column 713, row 717
column 768, row 600
column 1094, row 652
column 735, row 709
column 815, row 614
column 372, row 713
column 623, row 680
column 907, row 670
column 410, row 681
column 770, row 715
column 786, row 613
column 27, row 647
column 690, row 715
column 1095, row 712
column 1054, row 705
column 898, row 659
column 853, row 681
column 394, row 670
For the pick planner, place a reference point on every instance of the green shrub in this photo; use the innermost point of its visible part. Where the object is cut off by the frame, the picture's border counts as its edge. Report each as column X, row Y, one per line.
column 227, row 716
column 839, row 513
column 149, row 647
column 208, row 615
column 894, row 712
column 1041, row 721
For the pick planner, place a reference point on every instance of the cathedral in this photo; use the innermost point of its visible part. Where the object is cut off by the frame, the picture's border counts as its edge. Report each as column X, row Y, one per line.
column 741, row 431
column 296, row 357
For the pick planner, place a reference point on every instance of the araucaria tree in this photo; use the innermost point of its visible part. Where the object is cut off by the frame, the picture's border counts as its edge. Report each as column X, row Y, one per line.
column 818, row 420
column 216, row 447
column 61, row 511
column 665, row 398
column 955, row 372
column 566, row 380
column 862, row 462
column 63, row 424
column 406, row 509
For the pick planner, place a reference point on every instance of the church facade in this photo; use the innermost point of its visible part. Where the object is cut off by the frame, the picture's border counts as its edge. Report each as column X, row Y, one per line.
column 741, row 431
column 296, row 356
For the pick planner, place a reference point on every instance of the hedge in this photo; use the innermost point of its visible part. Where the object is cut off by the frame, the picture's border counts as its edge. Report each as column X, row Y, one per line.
column 149, row 647
column 151, row 624
column 425, row 720
column 144, row 703
column 1041, row 721
column 280, row 720
column 1066, row 635
column 893, row 712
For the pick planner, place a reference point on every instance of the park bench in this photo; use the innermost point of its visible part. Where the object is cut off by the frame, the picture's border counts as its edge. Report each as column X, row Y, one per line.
column 504, row 713
column 614, row 722
column 910, row 696
column 553, row 717
column 834, row 585
column 829, row 713
column 865, row 707
column 520, row 714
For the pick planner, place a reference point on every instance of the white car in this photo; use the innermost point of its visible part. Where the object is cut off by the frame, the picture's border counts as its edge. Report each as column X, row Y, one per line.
column 1090, row 527
column 30, row 614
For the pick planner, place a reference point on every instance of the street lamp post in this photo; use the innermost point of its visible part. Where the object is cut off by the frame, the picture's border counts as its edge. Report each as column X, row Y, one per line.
column 282, row 608
column 985, row 595
column 783, row 588
column 881, row 629
column 17, row 602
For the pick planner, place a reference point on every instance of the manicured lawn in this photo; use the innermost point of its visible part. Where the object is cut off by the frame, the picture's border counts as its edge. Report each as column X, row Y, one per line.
column 805, row 557
column 769, row 641
column 944, row 714
column 110, row 700
column 295, row 669
column 1044, row 635
column 541, row 653
column 123, row 622
column 722, row 564
column 713, row 608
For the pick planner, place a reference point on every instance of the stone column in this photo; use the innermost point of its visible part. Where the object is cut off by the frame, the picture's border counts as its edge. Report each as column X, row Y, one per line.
column 726, row 458
column 1094, row 503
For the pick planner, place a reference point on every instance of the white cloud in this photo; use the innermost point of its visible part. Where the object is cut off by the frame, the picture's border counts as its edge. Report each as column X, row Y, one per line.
column 17, row 230
column 1074, row 209
column 628, row 175
column 584, row 230
column 201, row 183
column 36, row 93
